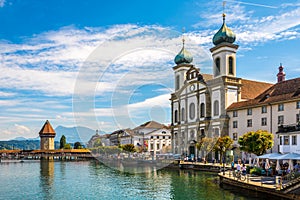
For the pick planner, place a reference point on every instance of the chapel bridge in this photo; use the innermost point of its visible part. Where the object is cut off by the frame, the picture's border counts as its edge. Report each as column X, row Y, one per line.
column 57, row 154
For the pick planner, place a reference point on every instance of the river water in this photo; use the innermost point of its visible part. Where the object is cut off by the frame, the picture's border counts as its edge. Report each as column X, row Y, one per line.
column 91, row 180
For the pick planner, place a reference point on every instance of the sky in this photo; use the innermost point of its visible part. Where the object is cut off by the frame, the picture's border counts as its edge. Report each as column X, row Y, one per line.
column 107, row 65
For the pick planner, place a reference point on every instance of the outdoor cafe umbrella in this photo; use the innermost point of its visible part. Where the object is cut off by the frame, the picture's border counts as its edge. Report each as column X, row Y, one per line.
column 289, row 156
column 270, row 156
column 267, row 165
column 257, row 160
column 250, row 164
column 277, row 166
column 291, row 167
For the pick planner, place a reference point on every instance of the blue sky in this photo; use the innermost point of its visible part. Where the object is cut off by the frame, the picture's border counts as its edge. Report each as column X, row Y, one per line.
column 108, row 64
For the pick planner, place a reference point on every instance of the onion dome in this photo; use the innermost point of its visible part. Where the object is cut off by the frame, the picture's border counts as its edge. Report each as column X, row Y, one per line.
column 225, row 34
column 183, row 56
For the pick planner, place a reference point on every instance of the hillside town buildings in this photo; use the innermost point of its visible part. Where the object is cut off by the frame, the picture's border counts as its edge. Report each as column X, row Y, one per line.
column 151, row 137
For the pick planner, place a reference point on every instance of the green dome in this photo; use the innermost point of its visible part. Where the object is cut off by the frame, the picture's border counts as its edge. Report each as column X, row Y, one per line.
column 183, row 57
column 225, row 34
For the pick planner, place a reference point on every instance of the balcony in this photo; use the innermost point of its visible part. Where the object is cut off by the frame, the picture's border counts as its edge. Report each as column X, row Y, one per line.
column 288, row 128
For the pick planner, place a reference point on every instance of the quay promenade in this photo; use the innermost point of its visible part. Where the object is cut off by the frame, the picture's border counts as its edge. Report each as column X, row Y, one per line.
column 276, row 185
column 285, row 187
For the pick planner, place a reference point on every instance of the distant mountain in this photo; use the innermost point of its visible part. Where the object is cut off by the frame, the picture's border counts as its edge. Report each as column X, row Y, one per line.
column 75, row 134
column 23, row 139
column 20, row 138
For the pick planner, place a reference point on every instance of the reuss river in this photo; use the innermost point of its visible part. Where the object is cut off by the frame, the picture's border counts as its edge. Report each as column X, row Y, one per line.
column 91, row 180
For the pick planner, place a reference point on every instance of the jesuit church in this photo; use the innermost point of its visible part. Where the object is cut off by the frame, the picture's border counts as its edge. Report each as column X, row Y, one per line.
column 200, row 102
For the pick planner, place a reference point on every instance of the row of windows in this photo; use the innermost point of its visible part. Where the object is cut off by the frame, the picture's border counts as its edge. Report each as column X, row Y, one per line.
column 264, row 109
column 264, row 121
column 161, row 137
column 286, row 140
column 192, row 111
column 157, row 146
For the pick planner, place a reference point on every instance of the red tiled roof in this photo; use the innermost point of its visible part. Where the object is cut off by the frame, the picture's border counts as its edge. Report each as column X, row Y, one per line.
column 47, row 129
column 283, row 91
column 251, row 89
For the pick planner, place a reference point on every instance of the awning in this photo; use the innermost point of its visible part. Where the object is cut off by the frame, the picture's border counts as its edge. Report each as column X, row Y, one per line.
column 278, row 156
column 272, row 156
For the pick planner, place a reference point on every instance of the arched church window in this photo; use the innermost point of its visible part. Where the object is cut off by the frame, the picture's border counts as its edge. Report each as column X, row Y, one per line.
column 230, row 65
column 182, row 114
column 177, row 82
column 192, row 111
column 217, row 63
column 192, row 134
column 202, row 110
column 216, row 108
column 176, row 116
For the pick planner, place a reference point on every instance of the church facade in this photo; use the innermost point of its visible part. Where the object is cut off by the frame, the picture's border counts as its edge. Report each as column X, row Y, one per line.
column 200, row 101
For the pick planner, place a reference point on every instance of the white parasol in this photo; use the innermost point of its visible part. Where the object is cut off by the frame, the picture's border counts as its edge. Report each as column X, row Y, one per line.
column 250, row 164
column 257, row 162
column 291, row 167
column 267, row 165
column 277, row 166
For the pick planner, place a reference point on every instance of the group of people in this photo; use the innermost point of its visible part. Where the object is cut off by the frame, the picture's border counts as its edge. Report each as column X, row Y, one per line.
column 239, row 167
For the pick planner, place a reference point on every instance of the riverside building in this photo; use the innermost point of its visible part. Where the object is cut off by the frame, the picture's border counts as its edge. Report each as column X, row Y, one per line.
column 220, row 104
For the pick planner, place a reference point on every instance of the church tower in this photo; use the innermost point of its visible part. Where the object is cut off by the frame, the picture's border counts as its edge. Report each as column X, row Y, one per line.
column 224, row 52
column 47, row 135
column 183, row 63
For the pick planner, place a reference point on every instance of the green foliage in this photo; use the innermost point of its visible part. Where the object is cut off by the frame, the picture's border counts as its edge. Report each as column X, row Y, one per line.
column 256, row 171
column 97, row 143
column 257, row 142
column 77, row 145
column 128, row 148
column 206, row 144
column 62, row 142
column 67, row 146
column 223, row 144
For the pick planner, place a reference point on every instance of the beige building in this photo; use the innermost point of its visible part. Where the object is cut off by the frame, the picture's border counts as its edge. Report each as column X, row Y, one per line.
column 47, row 135
column 275, row 110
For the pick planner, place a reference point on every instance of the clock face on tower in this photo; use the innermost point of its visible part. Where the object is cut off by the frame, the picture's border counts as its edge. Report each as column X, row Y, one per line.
column 192, row 88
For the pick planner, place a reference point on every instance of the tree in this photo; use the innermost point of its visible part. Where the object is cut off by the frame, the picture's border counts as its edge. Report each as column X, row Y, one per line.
column 257, row 142
column 129, row 148
column 97, row 143
column 77, row 145
column 223, row 144
column 62, row 142
column 206, row 144
column 67, row 146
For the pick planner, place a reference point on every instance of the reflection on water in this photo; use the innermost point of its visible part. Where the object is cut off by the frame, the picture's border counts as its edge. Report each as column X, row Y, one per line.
column 47, row 178
column 91, row 180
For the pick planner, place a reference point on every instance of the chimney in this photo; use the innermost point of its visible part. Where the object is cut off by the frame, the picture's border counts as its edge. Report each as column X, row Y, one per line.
column 281, row 74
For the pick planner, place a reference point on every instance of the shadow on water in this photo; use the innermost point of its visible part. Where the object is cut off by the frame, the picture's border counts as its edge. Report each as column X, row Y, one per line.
column 249, row 193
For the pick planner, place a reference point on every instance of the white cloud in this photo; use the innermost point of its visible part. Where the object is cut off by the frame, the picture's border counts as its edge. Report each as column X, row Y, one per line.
column 2, row 3
column 17, row 130
column 250, row 28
